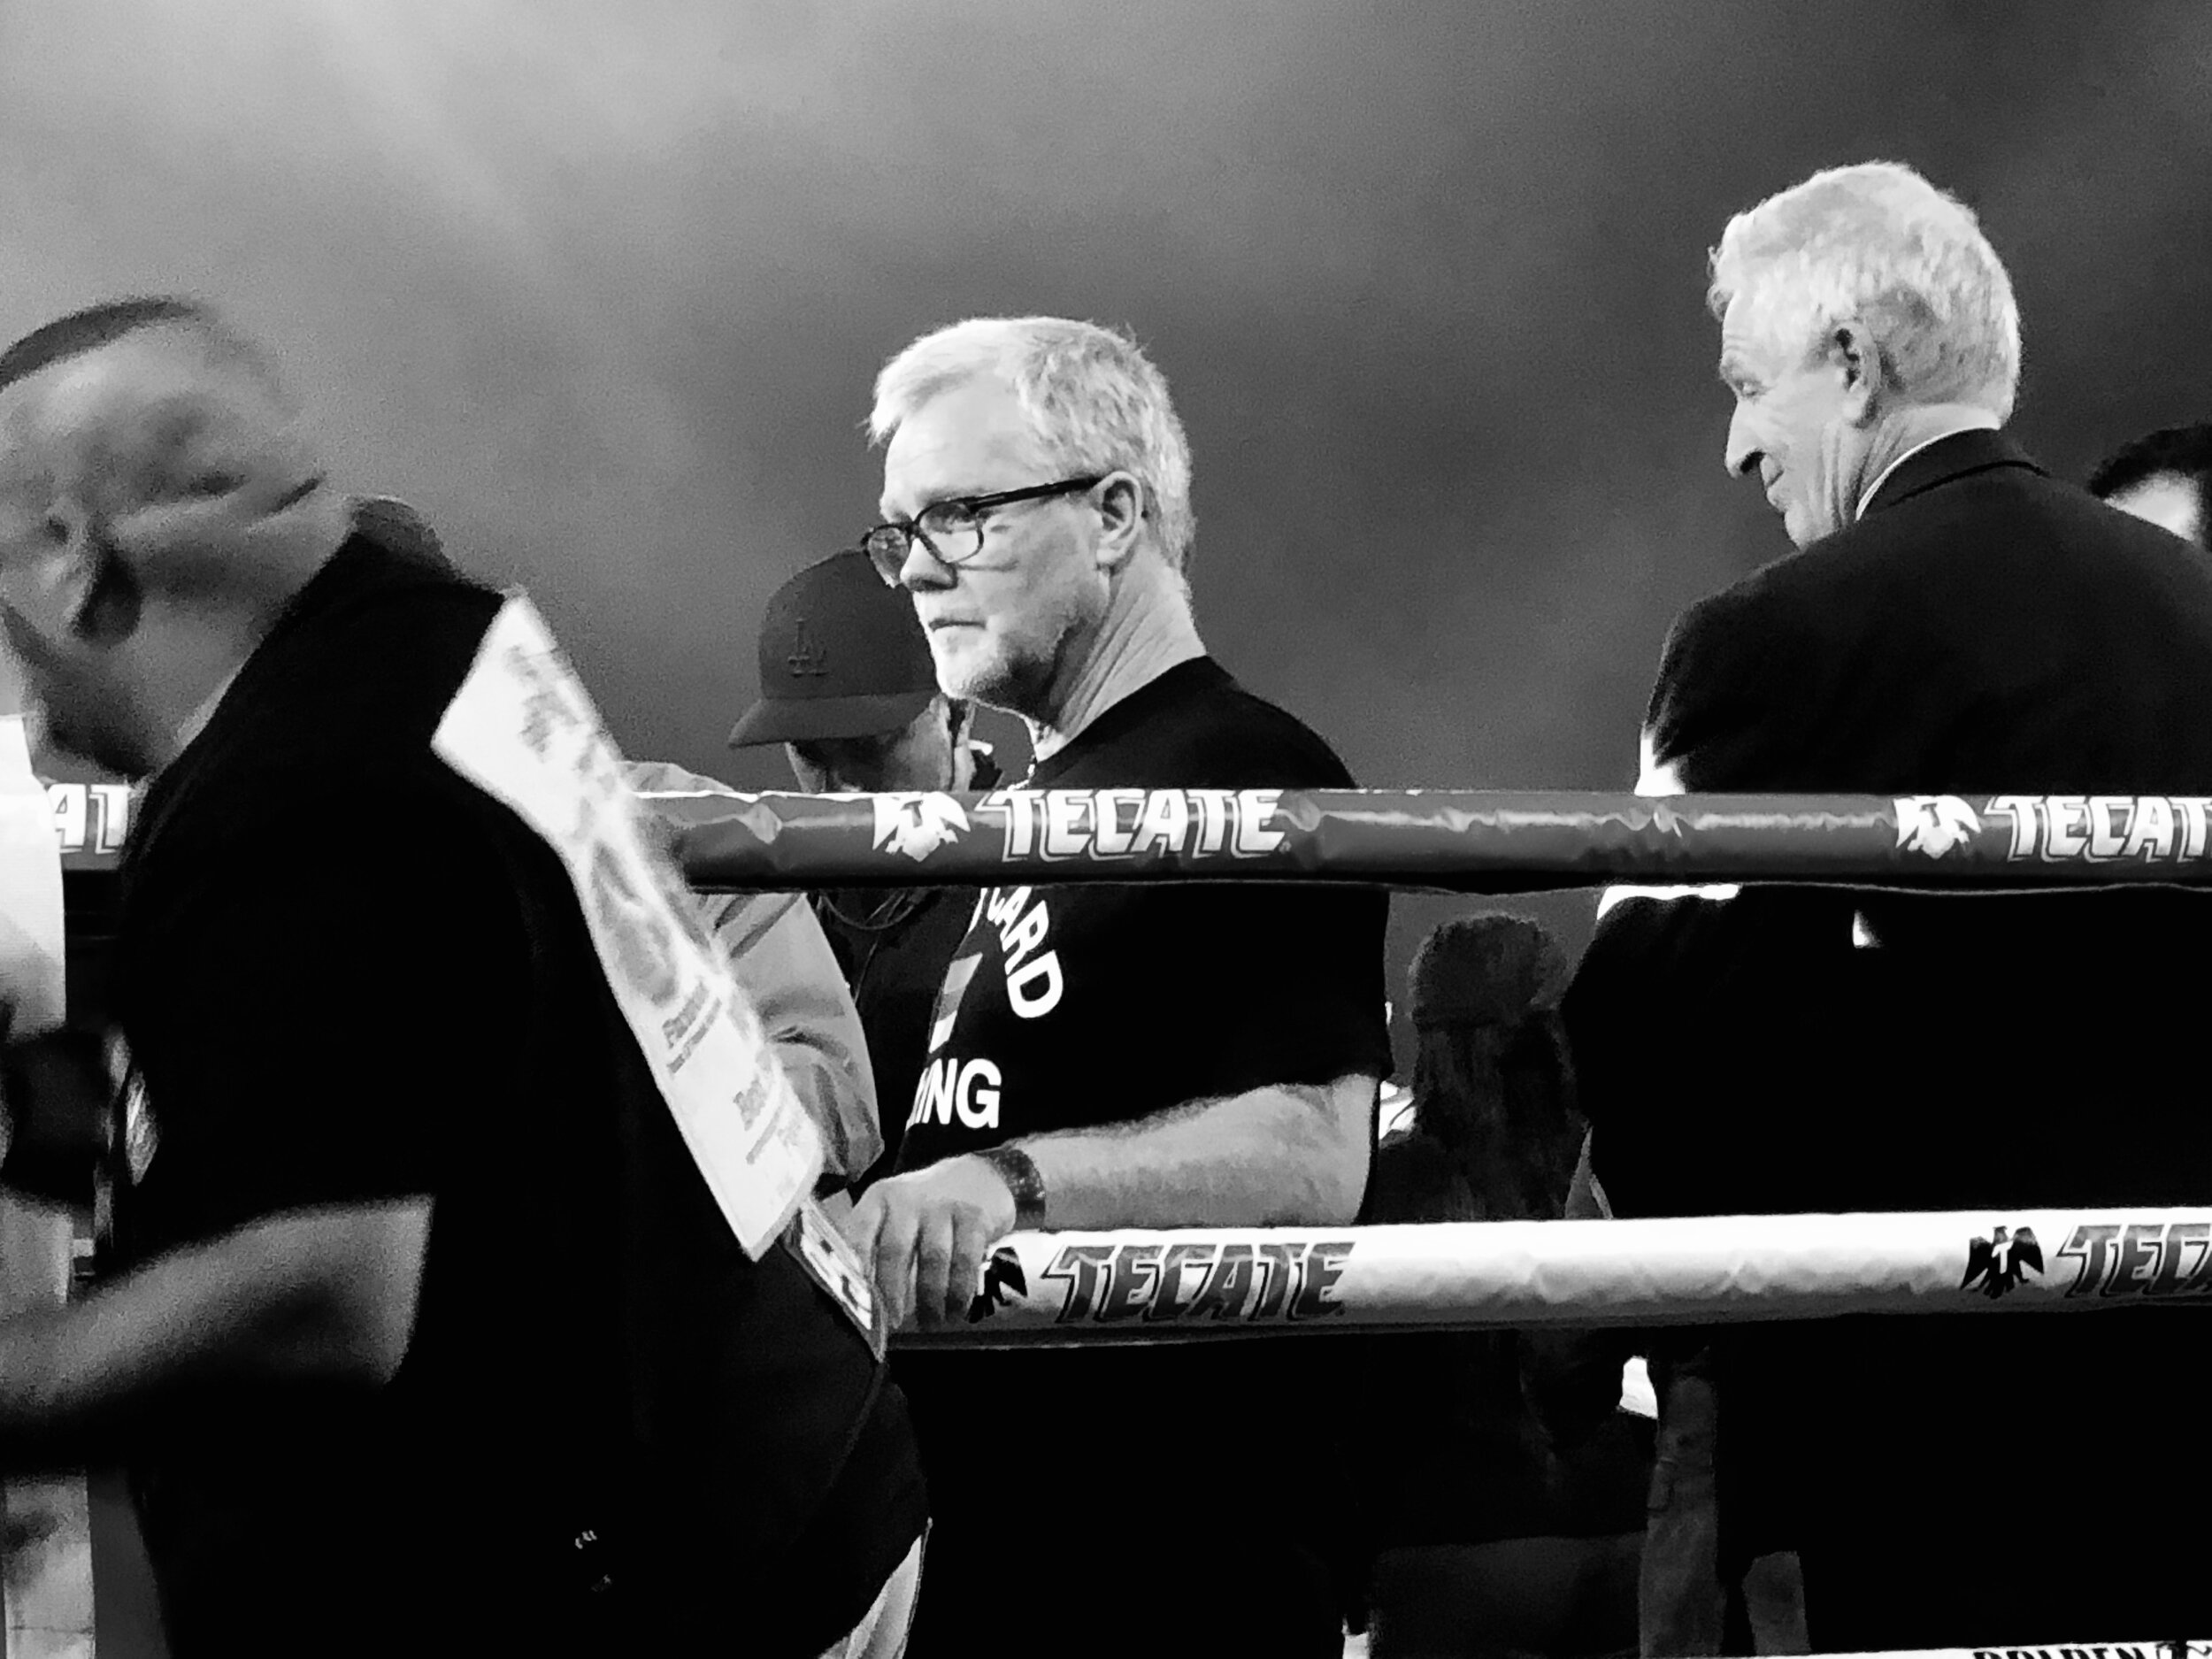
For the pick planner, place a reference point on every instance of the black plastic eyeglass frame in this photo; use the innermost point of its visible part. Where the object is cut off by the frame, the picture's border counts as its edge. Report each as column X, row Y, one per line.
column 898, row 536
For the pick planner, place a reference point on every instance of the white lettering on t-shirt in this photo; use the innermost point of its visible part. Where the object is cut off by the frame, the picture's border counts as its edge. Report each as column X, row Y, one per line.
column 932, row 1097
column 1033, row 983
column 947, row 1088
column 1035, row 991
column 975, row 1097
column 1017, row 938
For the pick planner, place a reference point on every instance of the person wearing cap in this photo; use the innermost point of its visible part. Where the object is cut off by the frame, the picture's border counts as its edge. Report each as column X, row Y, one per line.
column 775, row 943
column 849, row 689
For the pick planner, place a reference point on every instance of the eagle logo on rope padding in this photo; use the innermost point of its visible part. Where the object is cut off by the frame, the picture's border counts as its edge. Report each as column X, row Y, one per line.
column 1002, row 1274
column 915, row 826
column 1999, row 1264
column 1935, row 824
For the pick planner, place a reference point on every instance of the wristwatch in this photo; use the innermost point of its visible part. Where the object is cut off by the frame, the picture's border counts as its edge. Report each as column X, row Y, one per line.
column 1018, row 1171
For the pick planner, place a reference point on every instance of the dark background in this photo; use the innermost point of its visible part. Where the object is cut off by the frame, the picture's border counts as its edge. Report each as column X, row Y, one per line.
column 603, row 288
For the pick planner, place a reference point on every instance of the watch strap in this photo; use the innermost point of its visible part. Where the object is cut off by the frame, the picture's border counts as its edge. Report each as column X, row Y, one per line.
column 1018, row 1171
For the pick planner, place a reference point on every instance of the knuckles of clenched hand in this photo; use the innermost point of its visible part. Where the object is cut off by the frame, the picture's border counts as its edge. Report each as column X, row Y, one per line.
column 925, row 1236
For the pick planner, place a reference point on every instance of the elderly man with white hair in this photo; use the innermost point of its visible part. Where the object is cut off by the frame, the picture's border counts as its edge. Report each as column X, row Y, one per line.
column 1104, row 1056
column 1956, row 622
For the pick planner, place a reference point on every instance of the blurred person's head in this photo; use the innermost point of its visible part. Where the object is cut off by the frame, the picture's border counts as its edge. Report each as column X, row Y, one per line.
column 2164, row 478
column 847, row 688
column 159, row 509
column 1493, row 1084
column 1036, row 494
column 1862, row 313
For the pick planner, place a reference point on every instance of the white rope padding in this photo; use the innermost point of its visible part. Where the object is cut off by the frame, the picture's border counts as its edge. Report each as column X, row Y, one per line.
column 1071, row 1288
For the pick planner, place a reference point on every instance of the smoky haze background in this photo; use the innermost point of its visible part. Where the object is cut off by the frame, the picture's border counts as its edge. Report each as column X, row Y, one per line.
column 603, row 287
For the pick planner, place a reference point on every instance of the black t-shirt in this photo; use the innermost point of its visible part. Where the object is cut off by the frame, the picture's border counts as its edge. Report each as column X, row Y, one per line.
column 1067, row 1007
column 1072, row 1007
column 347, row 975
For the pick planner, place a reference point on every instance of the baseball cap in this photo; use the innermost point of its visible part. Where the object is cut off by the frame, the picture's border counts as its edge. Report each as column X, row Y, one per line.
column 841, row 656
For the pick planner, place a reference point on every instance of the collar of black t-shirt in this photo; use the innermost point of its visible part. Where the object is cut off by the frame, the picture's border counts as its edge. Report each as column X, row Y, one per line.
column 362, row 567
column 1146, row 703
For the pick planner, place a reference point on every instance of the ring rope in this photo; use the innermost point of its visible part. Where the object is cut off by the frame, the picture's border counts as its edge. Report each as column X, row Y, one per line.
column 1458, row 840
column 1063, row 1289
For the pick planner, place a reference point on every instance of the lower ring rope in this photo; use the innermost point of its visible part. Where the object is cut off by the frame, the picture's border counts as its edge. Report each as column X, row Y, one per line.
column 1087, row 1288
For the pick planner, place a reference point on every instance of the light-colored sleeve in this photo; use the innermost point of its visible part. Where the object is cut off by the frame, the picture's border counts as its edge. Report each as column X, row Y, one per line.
column 782, row 960
column 783, row 963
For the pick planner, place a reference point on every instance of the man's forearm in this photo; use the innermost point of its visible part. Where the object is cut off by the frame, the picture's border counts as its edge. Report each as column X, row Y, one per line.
column 1288, row 1154
column 318, row 1296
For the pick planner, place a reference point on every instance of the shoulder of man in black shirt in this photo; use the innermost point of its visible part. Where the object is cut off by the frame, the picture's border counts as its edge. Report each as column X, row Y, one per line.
column 307, row 853
column 1194, row 727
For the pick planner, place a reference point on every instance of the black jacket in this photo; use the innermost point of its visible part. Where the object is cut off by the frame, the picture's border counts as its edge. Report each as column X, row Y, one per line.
column 1983, row 628
column 346, row 975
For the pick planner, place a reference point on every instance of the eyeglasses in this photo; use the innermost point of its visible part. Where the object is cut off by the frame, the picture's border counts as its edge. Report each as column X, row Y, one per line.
column 952, row 529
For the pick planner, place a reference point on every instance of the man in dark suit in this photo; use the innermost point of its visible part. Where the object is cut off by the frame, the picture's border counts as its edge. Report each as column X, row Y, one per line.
column 1955, row 621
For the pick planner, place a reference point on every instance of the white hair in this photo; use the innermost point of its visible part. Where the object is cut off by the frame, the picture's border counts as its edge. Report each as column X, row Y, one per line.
column 1093, row 399
column 1878, row 243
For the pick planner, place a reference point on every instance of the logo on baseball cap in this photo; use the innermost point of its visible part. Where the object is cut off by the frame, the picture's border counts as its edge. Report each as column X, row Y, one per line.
column 841, row 656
